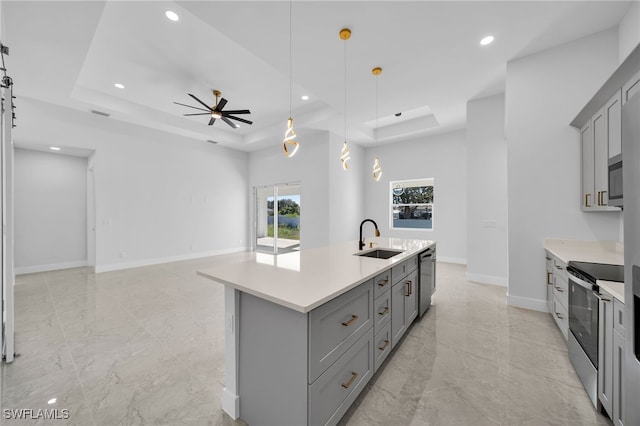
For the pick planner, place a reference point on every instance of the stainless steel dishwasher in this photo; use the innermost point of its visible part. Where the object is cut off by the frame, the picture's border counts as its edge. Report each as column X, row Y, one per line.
column 427, row 279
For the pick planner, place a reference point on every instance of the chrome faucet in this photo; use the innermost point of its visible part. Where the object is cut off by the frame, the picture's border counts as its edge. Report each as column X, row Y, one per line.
column 361, row 241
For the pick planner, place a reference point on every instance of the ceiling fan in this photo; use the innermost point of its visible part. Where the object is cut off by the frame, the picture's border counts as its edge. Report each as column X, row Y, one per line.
column 217, row 112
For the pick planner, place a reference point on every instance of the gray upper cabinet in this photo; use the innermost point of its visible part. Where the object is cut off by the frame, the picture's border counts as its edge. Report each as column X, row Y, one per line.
column 630, row 88
column 613, row 116
column 588, row 182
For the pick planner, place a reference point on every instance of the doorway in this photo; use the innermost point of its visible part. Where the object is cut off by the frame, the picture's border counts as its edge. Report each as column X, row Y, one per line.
column 278, row 213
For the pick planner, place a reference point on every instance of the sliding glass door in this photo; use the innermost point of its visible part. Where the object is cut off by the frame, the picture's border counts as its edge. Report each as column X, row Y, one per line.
column 277, row 224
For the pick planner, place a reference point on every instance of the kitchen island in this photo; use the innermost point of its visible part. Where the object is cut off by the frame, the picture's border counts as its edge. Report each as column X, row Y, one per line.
column 305, row 331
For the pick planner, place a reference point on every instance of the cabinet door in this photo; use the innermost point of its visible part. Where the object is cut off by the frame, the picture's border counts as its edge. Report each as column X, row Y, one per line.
column 613, row 116
column 398, row 325
column 587, row 166
column 411, row 298
column 600, row 158
column 549, row 282
column 619, row 392
column 605, row 351
column 631, row 88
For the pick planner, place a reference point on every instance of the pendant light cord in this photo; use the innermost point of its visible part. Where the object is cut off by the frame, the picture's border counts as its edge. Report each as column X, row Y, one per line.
column 345, row 90
column 290, row 56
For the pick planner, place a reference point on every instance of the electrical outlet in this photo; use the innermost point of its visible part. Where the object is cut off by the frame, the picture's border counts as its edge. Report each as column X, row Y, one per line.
column 193, row 247
column 123, row 254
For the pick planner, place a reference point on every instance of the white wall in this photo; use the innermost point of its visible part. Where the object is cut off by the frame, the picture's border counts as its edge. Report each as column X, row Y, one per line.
column 544, row 92
column 442, row 157
column 346, row 194
column 629, row 32
column 50, row 211
column 309, row 167
column 487, row 216
column 159, row 197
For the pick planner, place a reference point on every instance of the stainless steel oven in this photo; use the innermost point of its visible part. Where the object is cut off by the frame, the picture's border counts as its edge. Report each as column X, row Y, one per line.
column 584, row 312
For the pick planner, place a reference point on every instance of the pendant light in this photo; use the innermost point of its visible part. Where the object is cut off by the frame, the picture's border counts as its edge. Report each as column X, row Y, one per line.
column 377, row 169
column 289, row 144
column 345, row 34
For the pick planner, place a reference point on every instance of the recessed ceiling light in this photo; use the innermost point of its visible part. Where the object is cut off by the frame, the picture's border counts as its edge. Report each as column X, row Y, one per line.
column 171, row 15
column 119, row 85
column 237, row 125
column 305, row 97
column 52, row 401
column 54, row 148
column 487, row 40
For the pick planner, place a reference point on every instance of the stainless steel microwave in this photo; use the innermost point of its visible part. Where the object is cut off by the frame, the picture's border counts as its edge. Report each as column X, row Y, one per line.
column 615, row 181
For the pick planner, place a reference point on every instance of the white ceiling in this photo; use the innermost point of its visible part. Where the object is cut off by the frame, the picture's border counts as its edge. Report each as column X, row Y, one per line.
column 71, row 54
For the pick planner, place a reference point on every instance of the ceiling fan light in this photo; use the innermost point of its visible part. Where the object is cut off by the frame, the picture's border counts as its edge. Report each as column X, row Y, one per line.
column 216, row 114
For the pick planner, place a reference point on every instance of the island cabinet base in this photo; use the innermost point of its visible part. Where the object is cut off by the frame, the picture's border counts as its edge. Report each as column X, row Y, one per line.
column 304, row 369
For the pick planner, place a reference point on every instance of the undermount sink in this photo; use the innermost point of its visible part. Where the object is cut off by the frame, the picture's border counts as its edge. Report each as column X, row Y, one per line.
column 380, row 253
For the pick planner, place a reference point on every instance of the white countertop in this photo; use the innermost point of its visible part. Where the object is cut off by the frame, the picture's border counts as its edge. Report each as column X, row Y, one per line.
column 610, row 252
column 306, row 279
column 615, row 289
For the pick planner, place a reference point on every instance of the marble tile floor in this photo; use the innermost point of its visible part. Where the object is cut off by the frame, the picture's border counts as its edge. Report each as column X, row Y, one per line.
column 146, row 346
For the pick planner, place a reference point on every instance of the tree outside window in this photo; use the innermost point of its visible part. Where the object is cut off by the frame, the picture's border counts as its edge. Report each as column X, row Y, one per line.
column 412, row 204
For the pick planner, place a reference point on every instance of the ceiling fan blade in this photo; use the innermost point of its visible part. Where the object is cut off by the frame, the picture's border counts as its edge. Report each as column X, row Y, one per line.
column 239, row 119
column 207, row 106
column 199, row 113
column 237, row 111
column 226, row 120
column 221, row 104
column 213, row 120
column 201, row 109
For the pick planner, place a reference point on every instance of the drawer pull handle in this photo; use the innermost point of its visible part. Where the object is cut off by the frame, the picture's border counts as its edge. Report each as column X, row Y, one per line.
column 384, row 311
column 385, row 346
column 549, row 280
column 586, row 200
column 348, row 323
column 547, row 257
column 559, row 316
column 354, row 376
column 559, row 289
column 383, row 283
column 559, row 267
column 409, row 289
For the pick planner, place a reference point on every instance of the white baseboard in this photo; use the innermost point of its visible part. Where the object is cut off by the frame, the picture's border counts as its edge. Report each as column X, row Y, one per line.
column 525, row 302
column 230, row 404
column 157, row 261
column 20, row 270
column 487, row 279
column 458, row 260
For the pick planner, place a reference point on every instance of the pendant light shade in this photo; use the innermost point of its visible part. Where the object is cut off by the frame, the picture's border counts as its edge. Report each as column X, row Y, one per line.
column 289, row 145
column 344, row 156
column 289, row 136
column 377, row 169
column 345, row 34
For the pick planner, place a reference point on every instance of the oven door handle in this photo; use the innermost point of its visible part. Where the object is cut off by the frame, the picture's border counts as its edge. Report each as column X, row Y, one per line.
column 580, row 282
column 600, row 298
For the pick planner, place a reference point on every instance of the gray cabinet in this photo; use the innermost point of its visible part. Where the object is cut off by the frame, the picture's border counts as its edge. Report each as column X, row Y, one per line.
column 297, row 368
column 619, row 391
column 630, row 88
column 549, row 281
column 605, row 351
column 404, row 305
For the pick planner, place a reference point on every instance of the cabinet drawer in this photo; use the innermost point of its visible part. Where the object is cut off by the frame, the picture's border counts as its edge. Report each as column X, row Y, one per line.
column 381, row 283
column 335, row 390
column 561, row 316
column 618, row 316
column 381, row 345
column 561, row 290
column 401, row 270
column 381, row 311
column 560, row 268
column 336, row 325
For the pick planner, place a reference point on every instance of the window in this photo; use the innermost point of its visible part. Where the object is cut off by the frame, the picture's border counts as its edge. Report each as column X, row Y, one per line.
column 412, row 204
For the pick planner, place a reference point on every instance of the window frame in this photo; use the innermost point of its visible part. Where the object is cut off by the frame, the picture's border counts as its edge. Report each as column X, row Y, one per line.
column 429, row 182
